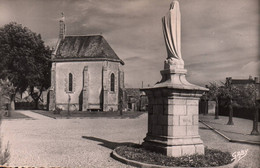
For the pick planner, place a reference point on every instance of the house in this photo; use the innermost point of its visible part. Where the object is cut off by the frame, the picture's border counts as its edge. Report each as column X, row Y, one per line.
column 240, row 83
column 136, row 100
column 86, row 73
column 242, row 112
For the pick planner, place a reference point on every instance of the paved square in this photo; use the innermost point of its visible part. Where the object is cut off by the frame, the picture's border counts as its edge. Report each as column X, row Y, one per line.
column 58, row 142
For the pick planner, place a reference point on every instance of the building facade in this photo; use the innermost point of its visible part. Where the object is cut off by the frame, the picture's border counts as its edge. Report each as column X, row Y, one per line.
column 86, row 74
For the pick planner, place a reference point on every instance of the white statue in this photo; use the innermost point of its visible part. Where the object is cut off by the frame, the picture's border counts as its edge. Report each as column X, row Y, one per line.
column 171, row 24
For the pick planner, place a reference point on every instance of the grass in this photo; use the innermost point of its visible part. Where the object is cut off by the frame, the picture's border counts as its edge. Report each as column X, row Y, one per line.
column 94, row 114
column 211, row 158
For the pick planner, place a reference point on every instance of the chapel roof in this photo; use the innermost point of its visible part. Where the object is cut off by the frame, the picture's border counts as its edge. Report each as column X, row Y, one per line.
column 89, row 47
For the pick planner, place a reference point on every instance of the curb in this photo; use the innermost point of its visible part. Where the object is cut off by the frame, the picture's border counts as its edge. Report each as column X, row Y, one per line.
column 134, row 163
column 229, row 139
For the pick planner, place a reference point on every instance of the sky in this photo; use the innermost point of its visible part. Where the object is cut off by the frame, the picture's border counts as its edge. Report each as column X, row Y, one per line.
column 219, row 38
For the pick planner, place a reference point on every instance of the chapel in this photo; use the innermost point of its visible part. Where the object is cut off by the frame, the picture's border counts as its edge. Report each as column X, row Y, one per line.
column 86, row 73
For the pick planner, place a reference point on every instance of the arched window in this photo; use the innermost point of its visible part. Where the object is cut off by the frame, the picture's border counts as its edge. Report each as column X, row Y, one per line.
column 70, row 82
column 112, row 83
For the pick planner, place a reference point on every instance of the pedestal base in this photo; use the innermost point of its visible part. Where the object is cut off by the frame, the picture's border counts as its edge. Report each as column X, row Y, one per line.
column 173, row 116
column 174, row 147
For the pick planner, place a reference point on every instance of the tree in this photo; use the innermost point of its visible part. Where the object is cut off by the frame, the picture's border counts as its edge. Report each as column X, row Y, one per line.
column 213, row 94
column 40, row 82
column 25, row 61
column 248, row 98
column 7, row 90
column 231, row 94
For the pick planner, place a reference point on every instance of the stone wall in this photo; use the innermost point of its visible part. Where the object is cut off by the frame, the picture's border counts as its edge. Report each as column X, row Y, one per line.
column 111, row 102
column 76, row 68
column 90, row 83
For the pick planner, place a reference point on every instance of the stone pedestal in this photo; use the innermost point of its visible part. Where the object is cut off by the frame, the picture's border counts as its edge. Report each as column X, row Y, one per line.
column 173, row 115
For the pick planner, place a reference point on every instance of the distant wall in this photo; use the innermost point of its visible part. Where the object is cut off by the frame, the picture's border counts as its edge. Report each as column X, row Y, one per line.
column 245, row 113
column 211, row 107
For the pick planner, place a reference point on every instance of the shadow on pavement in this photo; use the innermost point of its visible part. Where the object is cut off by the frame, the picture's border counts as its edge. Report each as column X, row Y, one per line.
column 109, row 144
column 205, row 128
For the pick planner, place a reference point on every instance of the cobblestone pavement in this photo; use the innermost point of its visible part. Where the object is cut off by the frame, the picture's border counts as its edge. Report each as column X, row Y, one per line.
column 59, row 142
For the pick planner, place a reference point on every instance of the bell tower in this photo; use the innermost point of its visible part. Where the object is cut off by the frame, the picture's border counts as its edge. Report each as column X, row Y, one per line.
column 62, row 26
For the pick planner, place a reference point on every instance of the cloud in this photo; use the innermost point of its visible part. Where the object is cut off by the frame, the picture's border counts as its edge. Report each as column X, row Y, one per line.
column 251, row 68
column 219, row 38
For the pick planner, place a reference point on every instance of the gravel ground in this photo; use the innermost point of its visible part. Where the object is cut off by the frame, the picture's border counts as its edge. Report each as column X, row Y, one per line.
column 50, row 142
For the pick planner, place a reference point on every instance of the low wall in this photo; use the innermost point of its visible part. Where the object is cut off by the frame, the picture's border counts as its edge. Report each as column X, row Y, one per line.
column 246, row 113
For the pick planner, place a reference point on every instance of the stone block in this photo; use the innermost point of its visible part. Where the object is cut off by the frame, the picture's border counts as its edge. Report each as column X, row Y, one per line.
column 187, row 141
column 151, row 100
column 188, row 149
column 165, row 130
column 192, row 130
column 165, row 100
column 174, row 151
column 154, row 130
column 158, row 109
column 175, row 110
column 199, row 149
column 176, row 131
column 150, row 119
column 195, row 119
column 192, row 110
column 150, row 109
column 193, row 102
column 173, row 120
column 157, row 93
column 157, row 130
column 179, row 131
column 154, row 119
column 150, row 126
column 162, row 119
column 179, row 110
column 169, row 131
column 167, row 110
column 186, row 120
column 159, row 100
column 175, row 101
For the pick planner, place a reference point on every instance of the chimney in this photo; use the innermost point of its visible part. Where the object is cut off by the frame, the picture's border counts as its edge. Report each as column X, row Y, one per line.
column 228, row 81
column 62, row 27
column 250, row 77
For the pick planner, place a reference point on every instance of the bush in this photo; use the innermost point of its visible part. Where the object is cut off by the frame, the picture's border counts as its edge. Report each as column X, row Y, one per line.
column 4, row 154
column 57, row 110
column 212, row 157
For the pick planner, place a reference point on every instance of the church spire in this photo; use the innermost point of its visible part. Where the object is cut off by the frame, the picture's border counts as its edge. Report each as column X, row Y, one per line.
column 62, row 26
